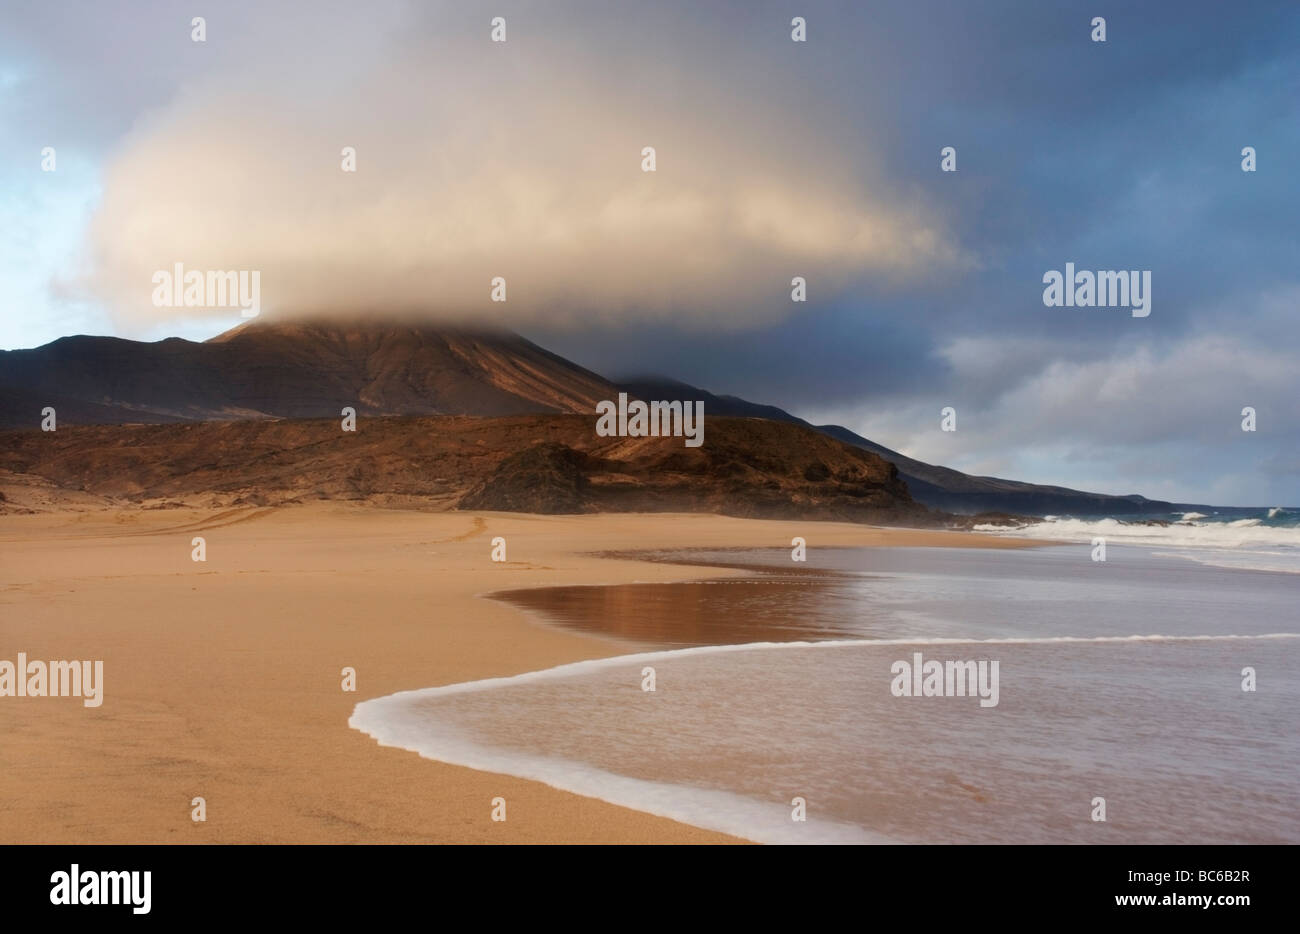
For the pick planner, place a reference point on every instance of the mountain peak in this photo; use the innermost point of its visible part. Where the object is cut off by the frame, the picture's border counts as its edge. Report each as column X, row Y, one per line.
column 308, row 328
column 303, row 369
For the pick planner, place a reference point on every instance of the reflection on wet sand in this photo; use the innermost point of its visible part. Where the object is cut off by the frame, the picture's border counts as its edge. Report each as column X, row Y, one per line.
column 771, row 605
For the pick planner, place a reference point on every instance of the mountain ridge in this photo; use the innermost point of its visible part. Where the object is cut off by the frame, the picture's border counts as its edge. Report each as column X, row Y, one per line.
column 267, row 369
column 935, row 486
column 295, row 370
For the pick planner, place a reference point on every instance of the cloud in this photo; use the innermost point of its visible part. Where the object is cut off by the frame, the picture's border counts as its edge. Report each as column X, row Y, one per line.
column 1141, row 419
column 520, row 160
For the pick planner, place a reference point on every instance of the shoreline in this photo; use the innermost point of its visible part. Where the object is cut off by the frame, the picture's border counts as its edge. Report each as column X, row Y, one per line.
column 405, row 721
column 222, row 679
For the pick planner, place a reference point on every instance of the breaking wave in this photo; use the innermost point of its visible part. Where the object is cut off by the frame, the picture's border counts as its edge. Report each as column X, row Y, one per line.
column 1247, row 543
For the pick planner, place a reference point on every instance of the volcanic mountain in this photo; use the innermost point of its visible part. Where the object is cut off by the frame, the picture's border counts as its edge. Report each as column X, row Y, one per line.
column 262, row 403
column 312, row 369
column 293, row 370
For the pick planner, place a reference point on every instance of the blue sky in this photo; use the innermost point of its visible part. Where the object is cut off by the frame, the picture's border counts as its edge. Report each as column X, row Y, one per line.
column 775, row 159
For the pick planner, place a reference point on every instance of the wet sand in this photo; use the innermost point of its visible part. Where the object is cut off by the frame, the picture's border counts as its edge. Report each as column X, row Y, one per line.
column 714, row 611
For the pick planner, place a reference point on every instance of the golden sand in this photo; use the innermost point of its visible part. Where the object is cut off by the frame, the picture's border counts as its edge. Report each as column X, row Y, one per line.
column 222, row 679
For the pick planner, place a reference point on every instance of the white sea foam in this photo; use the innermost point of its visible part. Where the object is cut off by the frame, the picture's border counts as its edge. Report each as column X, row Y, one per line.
column 1277, row 549
column 396, row 720
column 590, row 666
column 403, row 726
column 1282, row 562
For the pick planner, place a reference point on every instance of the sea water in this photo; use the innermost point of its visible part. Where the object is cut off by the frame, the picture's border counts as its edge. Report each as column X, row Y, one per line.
column 1121, row 697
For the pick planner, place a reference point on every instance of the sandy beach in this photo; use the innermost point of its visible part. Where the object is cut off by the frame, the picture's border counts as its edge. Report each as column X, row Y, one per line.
column 222, row 679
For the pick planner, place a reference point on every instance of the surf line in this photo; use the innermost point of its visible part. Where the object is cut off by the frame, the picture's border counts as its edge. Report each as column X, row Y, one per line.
column 591, row 665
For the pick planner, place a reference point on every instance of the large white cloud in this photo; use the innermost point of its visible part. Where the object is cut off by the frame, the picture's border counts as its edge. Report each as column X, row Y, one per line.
column 476, row 160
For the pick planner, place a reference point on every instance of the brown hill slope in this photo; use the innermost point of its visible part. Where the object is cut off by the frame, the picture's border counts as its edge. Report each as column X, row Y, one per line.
column 267, row 369
column 544, row 464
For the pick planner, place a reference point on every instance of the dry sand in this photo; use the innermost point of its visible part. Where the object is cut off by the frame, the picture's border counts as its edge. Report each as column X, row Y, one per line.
column 222, row 679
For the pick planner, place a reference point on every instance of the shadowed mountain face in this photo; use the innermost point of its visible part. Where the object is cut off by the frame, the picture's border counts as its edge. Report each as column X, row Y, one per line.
column 936, row 487
column 293, row 370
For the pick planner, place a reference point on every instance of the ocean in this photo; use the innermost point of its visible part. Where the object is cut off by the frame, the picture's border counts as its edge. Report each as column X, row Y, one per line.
column 1119, row 695
column 1262, row 539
